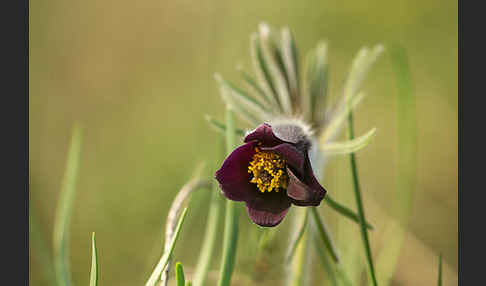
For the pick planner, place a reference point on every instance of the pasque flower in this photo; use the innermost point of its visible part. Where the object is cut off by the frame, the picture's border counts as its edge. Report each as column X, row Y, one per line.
column 272, row 169
column 270, row 172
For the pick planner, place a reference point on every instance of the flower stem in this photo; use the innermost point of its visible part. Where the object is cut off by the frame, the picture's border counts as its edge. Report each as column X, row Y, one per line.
column 230, row 238
column 299, row 266
column 209, row 244
column 177, row 205
column 359, row 203
column 439, row 279
column 324, row 234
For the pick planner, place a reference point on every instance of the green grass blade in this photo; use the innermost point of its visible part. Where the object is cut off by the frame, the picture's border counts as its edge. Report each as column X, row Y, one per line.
column 230, row 238
column 182, row 197
column 345, row 211
column 350, row 146
column 407, row 164
column 207, row 250
column 325, row 262
column 343, row 277
column 188, row 283
column 93, row 278
column 181, row 281
column 42, row 253
column 296, row 241
column 324, row 234
column 165, row 257
column 359, row 203
column 439, row 279
column 221, row 127
column 62, row 221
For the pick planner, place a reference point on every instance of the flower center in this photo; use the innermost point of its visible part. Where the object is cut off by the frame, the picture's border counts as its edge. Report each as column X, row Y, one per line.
column 268, row 170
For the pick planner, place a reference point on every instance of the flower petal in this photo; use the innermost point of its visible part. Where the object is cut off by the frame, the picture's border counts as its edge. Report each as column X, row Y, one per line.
column 292, row 132
column 291, row 154
column 305, row 192
column 268, row 209
column 263, row 134
column 233, row 176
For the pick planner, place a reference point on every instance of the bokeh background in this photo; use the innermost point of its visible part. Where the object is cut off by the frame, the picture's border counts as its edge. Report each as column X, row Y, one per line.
column 138, row 77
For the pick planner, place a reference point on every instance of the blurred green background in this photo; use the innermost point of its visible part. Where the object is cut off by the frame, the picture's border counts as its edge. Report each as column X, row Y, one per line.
column 138, row 77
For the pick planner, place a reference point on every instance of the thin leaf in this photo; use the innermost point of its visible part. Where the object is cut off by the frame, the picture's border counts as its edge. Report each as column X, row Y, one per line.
column 276, row 46
column 265, row 240
column 439, row 279
column 207, row 251
column 360, row 67
column 256, row 90
column 324, row 234
column 299, row 273
column 229, row 99
column 290, row 61
column 181, row 281
column 261, row 71
column 183, row 196
column 309, row 67
column 64, row 210
column 93, row 278
column 359, row 203
column 337, row 120
column 39, row 246
column 345, row 211
column 296, row 241
column 326, row 264
column 231, row 225
column 221, row 127
column 240, row 97
column 342, row 275
column 319, row 84
column 276, row 74
column 165, row 257
column 315, row 85
column 349, row 146
column 188, row 283
column 407, row 165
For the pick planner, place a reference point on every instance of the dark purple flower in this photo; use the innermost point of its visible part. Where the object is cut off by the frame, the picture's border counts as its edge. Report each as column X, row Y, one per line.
column 270, row 172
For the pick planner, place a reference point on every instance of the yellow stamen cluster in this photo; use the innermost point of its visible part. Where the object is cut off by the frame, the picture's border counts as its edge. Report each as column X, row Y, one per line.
column 268, row 170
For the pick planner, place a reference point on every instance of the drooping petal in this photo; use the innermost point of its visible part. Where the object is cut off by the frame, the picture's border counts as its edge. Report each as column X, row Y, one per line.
column 268, row 209
column 263, row 134
column 305, row 192
column 233, row 176
column 290, row 154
